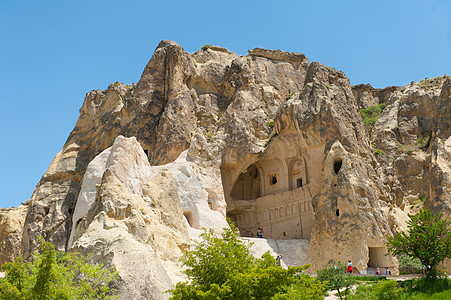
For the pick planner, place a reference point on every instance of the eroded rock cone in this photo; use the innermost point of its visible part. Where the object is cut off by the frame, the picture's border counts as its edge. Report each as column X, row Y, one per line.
column 268, row 139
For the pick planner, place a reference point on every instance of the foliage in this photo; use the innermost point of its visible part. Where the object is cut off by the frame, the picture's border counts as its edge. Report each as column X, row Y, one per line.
column 307, row 288
column 367, row 277
column 424, row 288
column 386, row 289
column 428, row 238
column 54, row 275
column 205, row 47
column 424, row 140
column 270, row 124
column 379, row 151
column 222, row 267
column 335, row 277
column 371, row 114
column 409, row 265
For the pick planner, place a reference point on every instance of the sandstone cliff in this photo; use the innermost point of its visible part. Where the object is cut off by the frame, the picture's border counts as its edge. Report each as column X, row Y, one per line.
column 268, row 139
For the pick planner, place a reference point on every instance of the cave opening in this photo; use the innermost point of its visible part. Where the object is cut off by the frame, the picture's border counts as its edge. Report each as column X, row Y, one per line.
column 337, row 164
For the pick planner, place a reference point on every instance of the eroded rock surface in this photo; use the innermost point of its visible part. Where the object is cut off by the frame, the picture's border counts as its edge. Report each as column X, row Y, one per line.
column 268, row 139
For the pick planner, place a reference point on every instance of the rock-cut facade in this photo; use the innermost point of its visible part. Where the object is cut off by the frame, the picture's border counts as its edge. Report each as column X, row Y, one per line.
column 270, row 140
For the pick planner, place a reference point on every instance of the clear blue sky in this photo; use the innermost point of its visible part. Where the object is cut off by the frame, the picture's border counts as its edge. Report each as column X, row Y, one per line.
column 53, row 52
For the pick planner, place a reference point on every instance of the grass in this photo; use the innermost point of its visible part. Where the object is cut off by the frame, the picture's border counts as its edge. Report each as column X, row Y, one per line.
column 409, row 289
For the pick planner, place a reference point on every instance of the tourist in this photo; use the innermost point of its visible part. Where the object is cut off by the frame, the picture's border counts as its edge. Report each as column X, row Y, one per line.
column 279, row 258
column 260, row 232
column 387, row 271
column 349, row 267
column 378, row 271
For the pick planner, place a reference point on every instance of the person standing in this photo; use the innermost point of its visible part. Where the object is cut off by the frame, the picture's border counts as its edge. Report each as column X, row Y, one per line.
column 279, row 259
column 260, row 232
column 349, row 267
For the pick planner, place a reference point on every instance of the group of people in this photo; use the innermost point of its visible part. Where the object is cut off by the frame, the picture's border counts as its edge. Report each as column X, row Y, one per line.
column 387, row 271
column 378, row 271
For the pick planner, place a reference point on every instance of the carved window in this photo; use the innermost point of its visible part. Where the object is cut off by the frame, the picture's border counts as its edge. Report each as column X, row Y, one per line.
column 299, row 182
column 272, row 179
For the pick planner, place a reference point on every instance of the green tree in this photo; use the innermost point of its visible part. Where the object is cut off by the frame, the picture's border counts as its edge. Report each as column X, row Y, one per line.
column 56, row 275
column 428, row 238
column 335, row 277
column 222, row 267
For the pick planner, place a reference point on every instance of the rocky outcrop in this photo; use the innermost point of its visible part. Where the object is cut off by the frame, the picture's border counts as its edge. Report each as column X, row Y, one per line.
column 268, row 139
column 11, row 229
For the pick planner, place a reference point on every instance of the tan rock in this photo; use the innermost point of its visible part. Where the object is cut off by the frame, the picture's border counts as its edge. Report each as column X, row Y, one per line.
column 11, row 230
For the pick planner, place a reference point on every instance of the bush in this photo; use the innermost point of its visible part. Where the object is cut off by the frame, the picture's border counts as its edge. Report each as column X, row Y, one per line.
column 222, row 267
column 371, row 114
column 205, row 47
column 409, row 265
column 55, row 275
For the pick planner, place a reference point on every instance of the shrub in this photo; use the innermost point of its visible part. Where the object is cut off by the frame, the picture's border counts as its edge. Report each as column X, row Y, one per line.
column 409, row 265
column 222, row 267
column 371, row 114
column 205, row 47
column 56, row 275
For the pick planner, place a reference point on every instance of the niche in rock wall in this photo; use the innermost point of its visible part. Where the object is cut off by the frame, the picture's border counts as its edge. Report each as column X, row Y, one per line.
column 377, row 258
column 297, row 173
column 337, row 164
column 192, row 221
column 247, row 186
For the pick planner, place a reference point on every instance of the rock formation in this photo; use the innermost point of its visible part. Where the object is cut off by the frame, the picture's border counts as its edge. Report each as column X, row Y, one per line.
column 268, row 139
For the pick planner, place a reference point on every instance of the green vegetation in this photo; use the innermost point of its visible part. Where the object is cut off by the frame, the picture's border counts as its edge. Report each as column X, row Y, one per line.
column 409, row 289
column 377, row 150
column 428, row 238
column 386, row 289
column 289, row 96
column 409, row 265
column 205, row 47
column 371, row 114
column 207, row 134
column 56, row 275
column 335, row 277
column 270, row 124
column 424, row 141
column 420, row 201
column 222, row 267
column 273, row 135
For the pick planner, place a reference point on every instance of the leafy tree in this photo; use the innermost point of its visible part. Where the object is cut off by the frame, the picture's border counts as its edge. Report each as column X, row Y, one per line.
column 335, row 277
column 371, row 114
column 222, row 267
column 55, row 275
column 428, row 238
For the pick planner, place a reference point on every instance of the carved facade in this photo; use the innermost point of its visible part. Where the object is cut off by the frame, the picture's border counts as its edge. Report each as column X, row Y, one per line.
column 274, row 194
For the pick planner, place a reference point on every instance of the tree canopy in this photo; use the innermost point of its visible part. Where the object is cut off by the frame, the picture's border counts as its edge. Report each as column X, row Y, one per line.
column 428, row 238
column 222, row 267
column 55, row 275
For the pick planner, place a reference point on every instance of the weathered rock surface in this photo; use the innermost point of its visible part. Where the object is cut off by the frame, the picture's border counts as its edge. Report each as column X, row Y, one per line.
column 268, row 139
column 11, row 229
